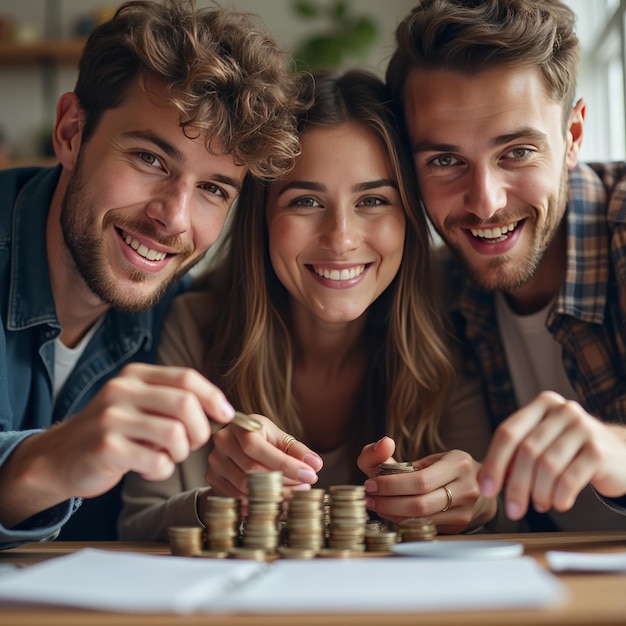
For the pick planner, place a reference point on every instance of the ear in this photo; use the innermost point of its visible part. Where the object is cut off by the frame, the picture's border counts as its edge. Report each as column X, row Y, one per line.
column 68, row 130
column 575, row 133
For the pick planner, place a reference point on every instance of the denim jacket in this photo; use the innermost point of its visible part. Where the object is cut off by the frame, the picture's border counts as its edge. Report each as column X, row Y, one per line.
column 29, row 325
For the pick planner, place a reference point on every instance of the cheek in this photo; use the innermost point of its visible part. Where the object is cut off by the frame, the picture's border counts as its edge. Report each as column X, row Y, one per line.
column 207, row 228
column 283, row 247
column 390, row 235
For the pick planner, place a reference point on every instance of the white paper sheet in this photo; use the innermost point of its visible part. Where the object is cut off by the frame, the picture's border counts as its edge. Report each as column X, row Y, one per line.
column 128, row 582
column 586, row 562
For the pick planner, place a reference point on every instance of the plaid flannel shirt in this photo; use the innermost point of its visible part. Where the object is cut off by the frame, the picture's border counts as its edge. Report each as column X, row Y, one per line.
column 589, row 314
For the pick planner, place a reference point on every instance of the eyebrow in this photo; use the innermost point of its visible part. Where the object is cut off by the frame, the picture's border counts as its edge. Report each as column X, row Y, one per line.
column 176, row 154
column 165, row 146
column 500, row 140
column 313, row 186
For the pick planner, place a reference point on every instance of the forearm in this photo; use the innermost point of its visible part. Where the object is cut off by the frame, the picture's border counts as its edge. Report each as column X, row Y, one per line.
column 25, row 480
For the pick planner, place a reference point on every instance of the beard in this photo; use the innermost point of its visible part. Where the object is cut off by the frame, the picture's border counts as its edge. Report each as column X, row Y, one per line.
column 504, row 273
column 83, row 238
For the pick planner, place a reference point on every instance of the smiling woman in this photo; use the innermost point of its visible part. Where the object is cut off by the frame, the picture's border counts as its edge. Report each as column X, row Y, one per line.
column 323, row 318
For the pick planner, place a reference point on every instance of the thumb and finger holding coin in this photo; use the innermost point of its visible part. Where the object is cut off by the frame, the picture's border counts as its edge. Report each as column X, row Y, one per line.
column 250, row 423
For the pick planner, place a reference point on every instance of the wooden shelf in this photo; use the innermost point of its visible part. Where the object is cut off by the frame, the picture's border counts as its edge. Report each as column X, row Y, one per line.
column 58, row 52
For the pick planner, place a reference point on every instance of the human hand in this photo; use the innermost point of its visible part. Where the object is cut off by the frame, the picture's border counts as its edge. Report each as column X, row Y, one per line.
column 237, row 451
column 445, row 489
column 145, row 420
column 548, row 451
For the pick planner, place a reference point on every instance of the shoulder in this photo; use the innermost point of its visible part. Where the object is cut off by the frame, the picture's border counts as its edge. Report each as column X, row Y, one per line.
column 12, row 181
column 600, row 184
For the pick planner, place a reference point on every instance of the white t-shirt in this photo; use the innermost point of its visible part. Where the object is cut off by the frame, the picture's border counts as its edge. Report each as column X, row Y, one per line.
column 66, row 358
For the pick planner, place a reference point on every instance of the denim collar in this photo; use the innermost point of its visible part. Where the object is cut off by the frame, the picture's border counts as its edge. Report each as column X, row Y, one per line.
column 30, row 294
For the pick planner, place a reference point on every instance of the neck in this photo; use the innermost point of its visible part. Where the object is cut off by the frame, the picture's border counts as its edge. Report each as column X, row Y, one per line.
column 328, row 347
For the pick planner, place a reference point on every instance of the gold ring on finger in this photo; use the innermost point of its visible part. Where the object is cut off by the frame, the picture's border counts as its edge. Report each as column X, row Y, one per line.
column 449, row 496
column 287, row 443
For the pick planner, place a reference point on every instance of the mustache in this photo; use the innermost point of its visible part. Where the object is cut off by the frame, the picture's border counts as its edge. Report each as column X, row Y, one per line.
column 145, row 229
column 468, row 222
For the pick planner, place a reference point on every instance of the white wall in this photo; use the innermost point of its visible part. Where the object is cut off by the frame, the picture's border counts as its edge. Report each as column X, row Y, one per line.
column 27, row 102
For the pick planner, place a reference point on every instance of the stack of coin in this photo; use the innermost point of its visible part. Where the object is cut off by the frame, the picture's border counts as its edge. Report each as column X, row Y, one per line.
column 305, row 520
column 222, row 523
column 186, row 540
column 386, row 469
column 348, row 516
column 380, row 540
column 417, row 529
column 265, row 497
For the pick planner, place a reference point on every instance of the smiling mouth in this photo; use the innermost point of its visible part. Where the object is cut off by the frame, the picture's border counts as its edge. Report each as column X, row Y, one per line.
column 335, row 274
column 143, row 250
column 496, row 234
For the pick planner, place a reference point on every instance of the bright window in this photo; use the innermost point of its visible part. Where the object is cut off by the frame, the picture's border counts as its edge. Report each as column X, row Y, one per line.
column 601, row 28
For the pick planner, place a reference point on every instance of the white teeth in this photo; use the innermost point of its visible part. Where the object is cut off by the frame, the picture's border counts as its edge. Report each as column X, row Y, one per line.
column 494, row 233
column 142, row 250
column 345, row 274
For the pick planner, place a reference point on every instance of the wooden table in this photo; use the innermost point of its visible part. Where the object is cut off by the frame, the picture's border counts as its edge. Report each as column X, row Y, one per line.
column 594, row 599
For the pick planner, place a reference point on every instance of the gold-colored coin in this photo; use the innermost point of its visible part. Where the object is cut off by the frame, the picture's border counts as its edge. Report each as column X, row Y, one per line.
column 246, row 422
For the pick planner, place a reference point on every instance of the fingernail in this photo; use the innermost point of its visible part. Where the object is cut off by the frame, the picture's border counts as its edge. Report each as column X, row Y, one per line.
column 379, row 442
column 314, row 461
column 487, row 487
column 302, row 487
column 513, row 510
column 306, row 476
column 370, row 503
column 371, row 486
column 227, row 412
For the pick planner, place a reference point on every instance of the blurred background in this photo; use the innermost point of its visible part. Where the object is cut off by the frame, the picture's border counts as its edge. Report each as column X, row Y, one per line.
column 41, row 40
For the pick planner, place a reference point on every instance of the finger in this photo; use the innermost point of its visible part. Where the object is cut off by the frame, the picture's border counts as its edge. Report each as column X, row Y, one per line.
column 229, row 459
column 211, row 398
column 571, row 483
column 507, row 438
column 427, row 461
column 438, row 470
column 534, row 468
column 298, row 450
column 562, row 447
column 147, row 430
column 143, row 401
column 226, row 478
column 151, row 464
column 401, row 507
column 374, row 454
column 257, row 449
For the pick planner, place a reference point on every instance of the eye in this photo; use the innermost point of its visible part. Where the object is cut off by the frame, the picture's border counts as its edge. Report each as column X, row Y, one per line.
column 149, row 159
column 518, row 153
column 304, row 201
column 373, row 201
column 444, row 160
column 214, row 190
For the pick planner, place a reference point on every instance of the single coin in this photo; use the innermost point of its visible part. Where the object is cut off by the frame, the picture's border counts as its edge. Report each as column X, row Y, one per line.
column 246, row 422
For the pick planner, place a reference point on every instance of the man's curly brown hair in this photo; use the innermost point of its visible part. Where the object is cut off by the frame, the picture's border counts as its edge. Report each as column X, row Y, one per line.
column 224, row 73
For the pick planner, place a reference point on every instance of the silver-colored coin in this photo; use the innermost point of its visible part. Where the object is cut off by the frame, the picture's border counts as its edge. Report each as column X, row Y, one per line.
column 246, row 422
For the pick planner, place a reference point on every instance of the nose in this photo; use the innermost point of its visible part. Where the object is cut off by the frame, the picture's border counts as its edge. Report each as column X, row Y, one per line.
column 171, row 207
column 486, row 192
column 340, row 231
